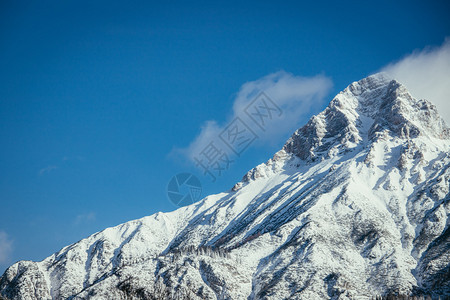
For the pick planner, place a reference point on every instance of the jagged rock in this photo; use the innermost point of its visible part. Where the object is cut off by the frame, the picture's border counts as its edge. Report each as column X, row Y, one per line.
column 355, row 205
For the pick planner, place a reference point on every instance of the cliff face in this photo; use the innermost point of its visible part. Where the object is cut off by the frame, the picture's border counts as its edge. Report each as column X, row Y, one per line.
column 356, row 204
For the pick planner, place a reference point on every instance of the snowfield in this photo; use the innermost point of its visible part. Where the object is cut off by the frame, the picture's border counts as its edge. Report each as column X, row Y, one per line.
column 354, row 205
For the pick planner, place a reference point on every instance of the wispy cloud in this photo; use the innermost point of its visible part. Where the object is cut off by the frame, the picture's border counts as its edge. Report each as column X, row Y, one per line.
column 294, row 95
column 6, row 247
column 63, row 163
column 47, row 169
column 426, row 74
column 84, row 218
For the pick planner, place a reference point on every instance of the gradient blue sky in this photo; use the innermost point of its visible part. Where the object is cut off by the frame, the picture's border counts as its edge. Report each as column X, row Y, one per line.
column 94, row 96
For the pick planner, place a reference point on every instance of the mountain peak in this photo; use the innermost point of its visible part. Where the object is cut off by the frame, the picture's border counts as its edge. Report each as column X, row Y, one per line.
column 372, row 108
column 352, row 225
column 376, row 108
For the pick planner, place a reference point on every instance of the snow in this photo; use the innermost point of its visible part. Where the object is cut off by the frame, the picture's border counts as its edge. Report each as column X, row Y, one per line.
column 355, row 205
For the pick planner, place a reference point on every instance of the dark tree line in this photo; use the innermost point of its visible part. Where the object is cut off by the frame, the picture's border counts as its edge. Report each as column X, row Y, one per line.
column 214, row 252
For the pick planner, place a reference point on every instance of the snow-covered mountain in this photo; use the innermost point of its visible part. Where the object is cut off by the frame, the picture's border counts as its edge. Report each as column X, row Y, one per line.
column 355, row 205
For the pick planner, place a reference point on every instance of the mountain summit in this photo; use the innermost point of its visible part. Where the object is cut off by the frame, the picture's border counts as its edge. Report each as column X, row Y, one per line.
column 354, row 205
column 366, row 110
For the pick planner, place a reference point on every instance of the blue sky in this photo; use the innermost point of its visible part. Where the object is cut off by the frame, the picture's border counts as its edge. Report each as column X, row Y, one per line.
column 97, row 99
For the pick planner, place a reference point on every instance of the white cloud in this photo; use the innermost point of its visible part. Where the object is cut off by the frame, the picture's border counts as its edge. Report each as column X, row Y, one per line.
column 6, row 247
column 426, row 74
column 294, row 95
column 47, row 169
column 64, row 161
column 85, row 218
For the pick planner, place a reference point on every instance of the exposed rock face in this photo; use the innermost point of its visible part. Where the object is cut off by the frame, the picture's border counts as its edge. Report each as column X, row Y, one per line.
column 376, row 101
column 356, row 204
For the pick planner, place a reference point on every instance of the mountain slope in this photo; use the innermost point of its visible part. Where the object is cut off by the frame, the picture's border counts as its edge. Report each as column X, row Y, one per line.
column 356, row 204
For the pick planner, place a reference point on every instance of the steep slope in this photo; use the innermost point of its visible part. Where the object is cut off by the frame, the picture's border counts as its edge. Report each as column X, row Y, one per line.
column 356, row 204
